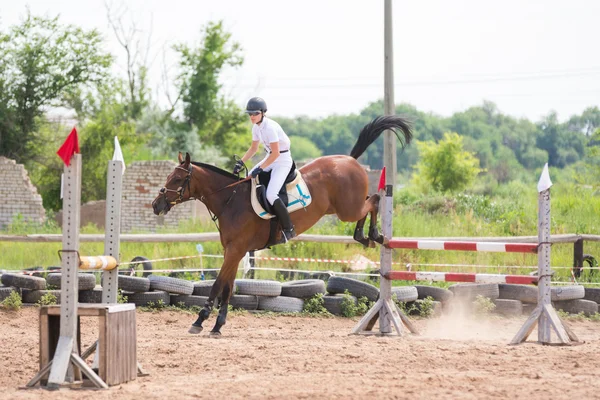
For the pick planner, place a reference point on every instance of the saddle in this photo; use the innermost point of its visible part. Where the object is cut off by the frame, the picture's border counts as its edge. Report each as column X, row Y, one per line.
column 294, row 193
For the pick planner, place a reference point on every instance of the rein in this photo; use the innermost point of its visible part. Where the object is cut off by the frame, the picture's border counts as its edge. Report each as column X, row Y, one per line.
column 215, row 217
column 202, row 198
column 181, row 190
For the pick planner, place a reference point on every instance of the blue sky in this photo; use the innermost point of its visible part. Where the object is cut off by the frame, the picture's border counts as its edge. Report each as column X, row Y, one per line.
column 317, row 58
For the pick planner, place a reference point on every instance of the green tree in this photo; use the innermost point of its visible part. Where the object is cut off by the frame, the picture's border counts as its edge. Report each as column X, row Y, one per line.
column 304, row 149
column 41, row 62
column 198, row 81
column 445, row 166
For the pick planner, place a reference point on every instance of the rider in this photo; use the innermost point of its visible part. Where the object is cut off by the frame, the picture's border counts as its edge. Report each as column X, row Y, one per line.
column 278, row 159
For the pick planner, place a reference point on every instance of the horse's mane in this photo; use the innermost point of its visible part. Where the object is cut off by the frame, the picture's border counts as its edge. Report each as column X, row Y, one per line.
column 216, row 169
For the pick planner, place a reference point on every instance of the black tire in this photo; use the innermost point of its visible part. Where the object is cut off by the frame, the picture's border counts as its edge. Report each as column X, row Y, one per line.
column 562, row 293
column 188, row 300
column 203, row 288
column 281, row 304
column 508, row 307
column 436, row 293
column 416, row 306
column 140, row 263
column 85, row 281
column 592, row 294
column 171, row 285
column 523, row 293
column 303, row 289
column 34, row 296
column 470, row 291
column 333, row 303
column 23, row 281
column 142, row 299
column 358, row 289
column 133, row 284
column 324, row 276
column 35, row 271
column 405, row 293
column 258, row 287
column 577, row 306
column 5, row 291
column 244, row 301
column 91, row 296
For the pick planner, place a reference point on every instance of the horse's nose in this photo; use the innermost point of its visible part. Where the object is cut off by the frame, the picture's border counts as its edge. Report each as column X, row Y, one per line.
column 162, row 190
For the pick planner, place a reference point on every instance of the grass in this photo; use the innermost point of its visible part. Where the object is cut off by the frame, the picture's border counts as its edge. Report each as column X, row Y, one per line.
column 512, row 211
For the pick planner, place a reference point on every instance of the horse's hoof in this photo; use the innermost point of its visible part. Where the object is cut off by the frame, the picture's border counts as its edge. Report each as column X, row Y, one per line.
column 195, row 329
column 372, row 244
column 215, row 335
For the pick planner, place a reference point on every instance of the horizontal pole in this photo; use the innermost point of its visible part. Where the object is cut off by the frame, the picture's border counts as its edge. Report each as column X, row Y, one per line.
column 460, row 277
column 463, row 246
column 214, row 237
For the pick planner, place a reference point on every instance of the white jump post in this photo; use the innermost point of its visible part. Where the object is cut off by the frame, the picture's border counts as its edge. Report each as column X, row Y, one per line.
column 544, row 315
column 385, row 309
column 67, row 363
column 115, row 319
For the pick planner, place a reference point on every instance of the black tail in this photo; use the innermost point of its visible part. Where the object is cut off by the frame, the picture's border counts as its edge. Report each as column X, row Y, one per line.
column 373, row 130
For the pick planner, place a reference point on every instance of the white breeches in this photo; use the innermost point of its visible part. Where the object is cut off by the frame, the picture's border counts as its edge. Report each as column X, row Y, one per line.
column 279, row 171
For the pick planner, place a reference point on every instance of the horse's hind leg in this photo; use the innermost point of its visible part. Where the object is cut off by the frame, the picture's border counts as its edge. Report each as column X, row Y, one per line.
column 374, row 211
column 359, row 234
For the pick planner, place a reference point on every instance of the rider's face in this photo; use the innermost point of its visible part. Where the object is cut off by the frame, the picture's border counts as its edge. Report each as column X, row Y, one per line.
column 255, row 118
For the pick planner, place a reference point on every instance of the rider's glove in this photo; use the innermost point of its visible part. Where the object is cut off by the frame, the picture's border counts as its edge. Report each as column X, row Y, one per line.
column 255, row 172
column 238, row 167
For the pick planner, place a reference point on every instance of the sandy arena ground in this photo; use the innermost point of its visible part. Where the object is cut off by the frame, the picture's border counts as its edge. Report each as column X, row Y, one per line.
column 276, row 357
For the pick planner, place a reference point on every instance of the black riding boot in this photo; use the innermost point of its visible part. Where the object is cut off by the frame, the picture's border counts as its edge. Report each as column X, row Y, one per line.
column 284, row 218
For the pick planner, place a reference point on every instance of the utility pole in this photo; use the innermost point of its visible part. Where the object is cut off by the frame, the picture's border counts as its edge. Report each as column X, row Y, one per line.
column 389, row 159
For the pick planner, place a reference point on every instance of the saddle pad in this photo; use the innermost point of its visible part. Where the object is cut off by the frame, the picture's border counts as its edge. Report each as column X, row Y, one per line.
column 298, row 197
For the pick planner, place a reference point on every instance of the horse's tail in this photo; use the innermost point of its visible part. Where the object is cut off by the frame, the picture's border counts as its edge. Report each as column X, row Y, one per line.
column 373, row 130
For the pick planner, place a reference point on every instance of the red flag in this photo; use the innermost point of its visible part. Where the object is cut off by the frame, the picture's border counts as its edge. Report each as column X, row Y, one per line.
column 69, row 147
column 381, row 180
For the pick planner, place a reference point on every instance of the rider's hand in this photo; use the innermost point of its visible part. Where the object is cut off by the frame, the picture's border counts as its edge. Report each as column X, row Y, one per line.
column 255, row 172
column 238, row 167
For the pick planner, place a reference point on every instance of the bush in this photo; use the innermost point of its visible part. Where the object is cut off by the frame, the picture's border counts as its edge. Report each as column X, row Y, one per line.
column 13, row 301
column 48, row 299
column 483, row 305
column 350, row 309
column 315, row 305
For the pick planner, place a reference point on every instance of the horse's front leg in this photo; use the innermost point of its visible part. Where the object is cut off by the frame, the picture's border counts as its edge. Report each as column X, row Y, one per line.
column 223, row 308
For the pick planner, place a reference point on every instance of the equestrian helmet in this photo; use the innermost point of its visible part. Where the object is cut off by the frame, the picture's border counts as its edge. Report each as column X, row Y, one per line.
column 256, row 104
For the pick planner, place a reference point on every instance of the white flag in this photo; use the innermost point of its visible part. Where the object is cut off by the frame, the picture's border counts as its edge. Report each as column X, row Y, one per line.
column 118, row 154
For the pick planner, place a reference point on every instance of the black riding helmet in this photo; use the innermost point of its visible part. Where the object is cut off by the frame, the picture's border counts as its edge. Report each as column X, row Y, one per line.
column 256, row 104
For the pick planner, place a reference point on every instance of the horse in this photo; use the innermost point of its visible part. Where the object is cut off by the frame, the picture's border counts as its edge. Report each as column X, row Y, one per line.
column 338, row 185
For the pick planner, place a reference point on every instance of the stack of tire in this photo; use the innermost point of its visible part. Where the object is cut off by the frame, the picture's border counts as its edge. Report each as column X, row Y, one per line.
column 257, row 294
column 154, row 289
column 573, row 299
column 338, row 285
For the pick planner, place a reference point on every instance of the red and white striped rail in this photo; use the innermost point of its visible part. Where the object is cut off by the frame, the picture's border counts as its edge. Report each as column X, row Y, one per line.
column 463, row 246
column 459, row 277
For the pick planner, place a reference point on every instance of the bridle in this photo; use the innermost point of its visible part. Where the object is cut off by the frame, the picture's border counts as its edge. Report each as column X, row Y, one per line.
column 181, row 190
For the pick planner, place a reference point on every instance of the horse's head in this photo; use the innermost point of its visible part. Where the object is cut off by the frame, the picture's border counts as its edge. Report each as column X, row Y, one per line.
column 177, row 189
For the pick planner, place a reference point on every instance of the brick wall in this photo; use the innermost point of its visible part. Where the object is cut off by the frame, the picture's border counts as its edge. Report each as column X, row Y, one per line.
column 17, row 194
column 141, row 183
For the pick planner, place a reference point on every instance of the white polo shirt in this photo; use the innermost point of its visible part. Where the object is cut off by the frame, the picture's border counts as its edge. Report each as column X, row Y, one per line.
column 268, row 132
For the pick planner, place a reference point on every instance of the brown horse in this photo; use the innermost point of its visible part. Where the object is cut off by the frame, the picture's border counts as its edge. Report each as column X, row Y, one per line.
column 338, row 185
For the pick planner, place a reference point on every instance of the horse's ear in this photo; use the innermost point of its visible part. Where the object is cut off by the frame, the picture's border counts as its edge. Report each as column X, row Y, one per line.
column 187, row 158
column 180, row 158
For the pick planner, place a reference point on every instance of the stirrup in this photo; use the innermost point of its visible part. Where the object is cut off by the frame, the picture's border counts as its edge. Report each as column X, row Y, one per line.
column 288, row 234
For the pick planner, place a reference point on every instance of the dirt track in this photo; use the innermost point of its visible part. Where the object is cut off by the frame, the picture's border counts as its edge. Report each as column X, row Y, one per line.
column 298, row 357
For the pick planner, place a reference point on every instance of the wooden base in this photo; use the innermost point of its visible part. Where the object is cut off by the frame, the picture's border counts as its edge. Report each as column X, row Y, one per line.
column 547, row 312
column 60, row 361
column 388, row 314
